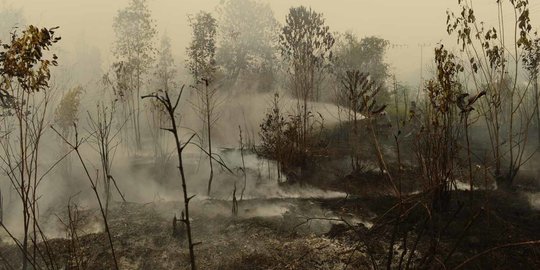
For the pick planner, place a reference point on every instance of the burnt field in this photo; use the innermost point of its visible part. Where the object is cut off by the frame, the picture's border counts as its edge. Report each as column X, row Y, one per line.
column 258, row 134
column 319, row 224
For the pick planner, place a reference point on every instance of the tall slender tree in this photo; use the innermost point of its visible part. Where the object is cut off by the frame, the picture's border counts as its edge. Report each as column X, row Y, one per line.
column 201, row 51
column 65, row 115
column 134, row 49
column 306, row 44
column 202, row 65
column 164, row 75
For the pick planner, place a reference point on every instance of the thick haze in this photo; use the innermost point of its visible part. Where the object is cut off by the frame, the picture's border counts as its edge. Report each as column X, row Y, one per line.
column 294, row 140
column 407, row 24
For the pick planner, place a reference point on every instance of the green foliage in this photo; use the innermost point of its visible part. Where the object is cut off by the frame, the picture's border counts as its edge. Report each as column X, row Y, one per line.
column 282, row 138
column 437, row 142
column 23, row 63
column 202, row 50
column 496, row 66
column 305, row 43
column 134, row 49
column 164, row 79
column 305, row 37
column 66, row 113
column 366, row 55
column 360, row 92
column 24, row 80
column 248, row 34
column 165, row 68
column 531, row 57
column 135, row 32
column 272, row 131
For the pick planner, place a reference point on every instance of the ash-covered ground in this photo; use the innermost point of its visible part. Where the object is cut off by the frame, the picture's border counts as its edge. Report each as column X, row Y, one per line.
column 266, row 234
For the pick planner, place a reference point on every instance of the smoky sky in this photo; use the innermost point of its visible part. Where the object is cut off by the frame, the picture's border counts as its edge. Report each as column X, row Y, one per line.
column 412, row 26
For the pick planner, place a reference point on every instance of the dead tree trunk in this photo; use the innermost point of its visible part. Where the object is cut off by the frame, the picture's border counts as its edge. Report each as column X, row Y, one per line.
column 243, row 166
column 209, row 133
column 171, row 109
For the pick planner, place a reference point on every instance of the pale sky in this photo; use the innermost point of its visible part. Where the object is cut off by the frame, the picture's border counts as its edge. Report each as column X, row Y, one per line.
column 404, row 22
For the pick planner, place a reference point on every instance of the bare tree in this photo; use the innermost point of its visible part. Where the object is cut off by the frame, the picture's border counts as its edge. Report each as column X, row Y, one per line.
column 171, row 106
column 104, row 141
column 243, row 168
column 207, row 106
column 466, row 107
column 75, row 146
column 72, row 223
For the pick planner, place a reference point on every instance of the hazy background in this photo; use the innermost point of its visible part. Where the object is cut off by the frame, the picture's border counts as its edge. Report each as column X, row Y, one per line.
column 409, row 25
column 413, row 27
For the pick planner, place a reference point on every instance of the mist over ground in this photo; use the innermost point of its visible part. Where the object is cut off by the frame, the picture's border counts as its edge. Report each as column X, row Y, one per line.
column 251, row 134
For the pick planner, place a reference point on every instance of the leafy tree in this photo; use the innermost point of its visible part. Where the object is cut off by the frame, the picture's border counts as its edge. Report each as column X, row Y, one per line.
column 359, row 93
column 272, row 135
column 248, row 33
column 497, row 67
column 65, row 116
column 305, row 43
column 282, row 141
column 202, row 65
column 436, row 144
column 24, row 84
column 66, row 113
column 366, row 55
column 134, row 48
column 165, row 68
column 201, row 51
column 164, row 76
